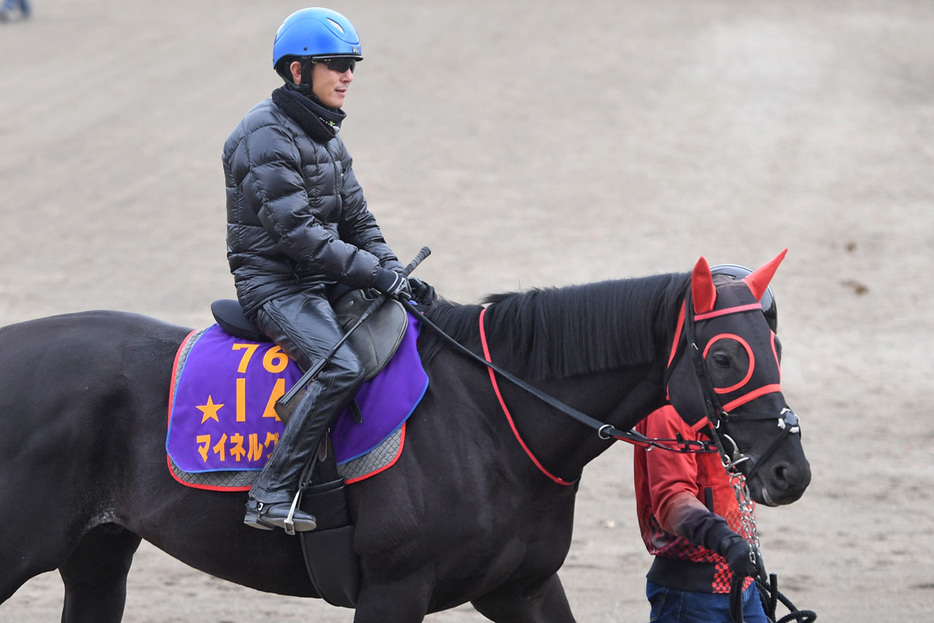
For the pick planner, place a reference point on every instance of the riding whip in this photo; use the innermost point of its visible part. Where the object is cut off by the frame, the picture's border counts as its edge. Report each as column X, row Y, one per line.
column 287, row 404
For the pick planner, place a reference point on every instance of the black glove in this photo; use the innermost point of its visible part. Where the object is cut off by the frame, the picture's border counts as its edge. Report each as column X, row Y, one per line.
column 717, row 536
column 423, row 293
column 742, row 558
column 392, row 283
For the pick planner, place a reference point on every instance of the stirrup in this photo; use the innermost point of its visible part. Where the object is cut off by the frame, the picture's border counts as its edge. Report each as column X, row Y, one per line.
column 265, row 516
column 289, row 524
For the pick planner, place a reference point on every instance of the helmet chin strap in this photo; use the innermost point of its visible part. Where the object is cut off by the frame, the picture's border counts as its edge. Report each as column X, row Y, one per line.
column 304, row 85
column 307, row 67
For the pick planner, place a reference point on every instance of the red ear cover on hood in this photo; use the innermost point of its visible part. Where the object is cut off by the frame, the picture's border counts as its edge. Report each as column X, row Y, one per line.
column 759, row 280
column 703, row 292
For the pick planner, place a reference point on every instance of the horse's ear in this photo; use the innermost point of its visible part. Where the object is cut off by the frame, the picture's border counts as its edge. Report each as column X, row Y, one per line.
column 703, row 292
column 759, row 280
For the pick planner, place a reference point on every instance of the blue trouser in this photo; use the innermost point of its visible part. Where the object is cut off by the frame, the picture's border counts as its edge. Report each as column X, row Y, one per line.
column 22, row 5
column 670, row 605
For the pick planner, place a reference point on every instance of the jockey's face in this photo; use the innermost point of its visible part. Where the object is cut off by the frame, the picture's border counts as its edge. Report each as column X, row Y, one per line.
column 328, row 85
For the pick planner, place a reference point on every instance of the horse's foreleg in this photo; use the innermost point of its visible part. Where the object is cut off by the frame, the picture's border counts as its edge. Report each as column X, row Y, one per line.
column 541, row 602
column 95, row 575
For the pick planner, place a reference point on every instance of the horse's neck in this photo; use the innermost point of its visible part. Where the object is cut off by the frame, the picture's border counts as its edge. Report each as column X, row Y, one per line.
column 635, row 315
column 562, row 445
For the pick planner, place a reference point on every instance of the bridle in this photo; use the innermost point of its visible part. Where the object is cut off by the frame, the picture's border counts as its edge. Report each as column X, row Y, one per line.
column 720, row 416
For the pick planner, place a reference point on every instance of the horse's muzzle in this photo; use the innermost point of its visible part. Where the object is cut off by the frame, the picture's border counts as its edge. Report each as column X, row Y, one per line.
column 782, row 482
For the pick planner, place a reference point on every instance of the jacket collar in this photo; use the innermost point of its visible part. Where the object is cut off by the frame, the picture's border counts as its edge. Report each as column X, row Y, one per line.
column 319, row 122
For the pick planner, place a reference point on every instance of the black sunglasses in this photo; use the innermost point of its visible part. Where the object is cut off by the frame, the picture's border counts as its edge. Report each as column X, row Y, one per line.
column 340, row 65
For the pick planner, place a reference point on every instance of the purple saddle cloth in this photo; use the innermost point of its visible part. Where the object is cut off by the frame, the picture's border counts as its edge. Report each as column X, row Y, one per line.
column 221, row 415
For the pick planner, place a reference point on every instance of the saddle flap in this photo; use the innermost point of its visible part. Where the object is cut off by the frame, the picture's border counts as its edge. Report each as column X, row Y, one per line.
column 377, row 339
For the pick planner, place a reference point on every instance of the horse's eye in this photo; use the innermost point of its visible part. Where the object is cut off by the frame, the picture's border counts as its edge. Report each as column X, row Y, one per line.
column 729, row 362
column 721, row 360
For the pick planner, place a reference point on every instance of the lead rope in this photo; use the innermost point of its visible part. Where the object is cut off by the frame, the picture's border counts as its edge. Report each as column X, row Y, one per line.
column 747, row 524
column 768, row 593
column 746, row 509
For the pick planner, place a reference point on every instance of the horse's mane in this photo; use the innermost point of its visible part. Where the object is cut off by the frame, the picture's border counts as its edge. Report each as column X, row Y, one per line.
column 562, row 332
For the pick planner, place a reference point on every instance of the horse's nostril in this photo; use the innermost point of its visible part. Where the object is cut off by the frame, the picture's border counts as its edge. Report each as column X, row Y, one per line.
column 790, row 477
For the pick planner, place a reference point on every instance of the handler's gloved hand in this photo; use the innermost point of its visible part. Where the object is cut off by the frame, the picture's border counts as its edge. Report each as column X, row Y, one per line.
column 743, row 560
column 392, row 283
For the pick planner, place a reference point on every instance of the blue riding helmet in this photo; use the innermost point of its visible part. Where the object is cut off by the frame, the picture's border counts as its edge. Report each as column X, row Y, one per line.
column 316, row 32
column 769, row 308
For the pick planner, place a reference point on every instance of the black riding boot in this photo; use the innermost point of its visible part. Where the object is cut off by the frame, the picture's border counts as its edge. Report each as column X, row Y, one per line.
column 275, row 492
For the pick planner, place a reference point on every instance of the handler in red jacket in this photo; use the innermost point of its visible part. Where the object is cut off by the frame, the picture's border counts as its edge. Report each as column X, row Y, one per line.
column 690, row 521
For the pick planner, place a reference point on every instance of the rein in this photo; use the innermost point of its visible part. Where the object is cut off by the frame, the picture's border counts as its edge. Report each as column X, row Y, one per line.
column 604, row 431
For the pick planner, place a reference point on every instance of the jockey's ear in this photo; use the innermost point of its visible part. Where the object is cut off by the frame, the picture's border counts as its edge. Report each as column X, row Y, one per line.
column 703, row 292
column 759, row 280
column 295, row 70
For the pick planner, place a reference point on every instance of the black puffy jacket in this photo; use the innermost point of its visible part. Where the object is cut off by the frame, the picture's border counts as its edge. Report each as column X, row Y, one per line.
column 296, row 215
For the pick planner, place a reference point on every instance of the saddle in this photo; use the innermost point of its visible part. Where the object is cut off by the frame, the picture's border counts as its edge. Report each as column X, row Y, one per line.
column 374, row 342
column 328, row 550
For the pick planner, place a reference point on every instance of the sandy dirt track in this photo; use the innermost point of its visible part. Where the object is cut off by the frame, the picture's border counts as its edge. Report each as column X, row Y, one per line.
column 533, row 143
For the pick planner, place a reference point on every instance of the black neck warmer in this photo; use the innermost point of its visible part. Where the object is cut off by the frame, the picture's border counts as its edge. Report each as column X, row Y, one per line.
column 320, row 122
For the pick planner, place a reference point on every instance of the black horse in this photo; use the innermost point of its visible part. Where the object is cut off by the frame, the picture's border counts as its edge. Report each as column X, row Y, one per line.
column 469, row 513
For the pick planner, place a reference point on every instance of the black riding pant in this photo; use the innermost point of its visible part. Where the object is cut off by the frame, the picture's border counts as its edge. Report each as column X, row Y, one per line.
column 305, row 326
